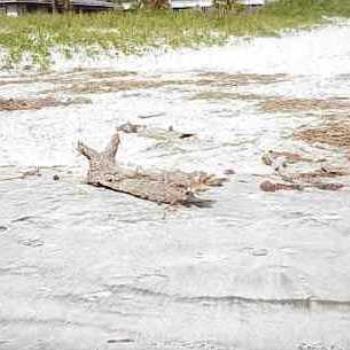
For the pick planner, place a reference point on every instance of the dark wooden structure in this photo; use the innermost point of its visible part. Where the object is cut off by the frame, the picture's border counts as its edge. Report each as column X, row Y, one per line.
column 18, row 7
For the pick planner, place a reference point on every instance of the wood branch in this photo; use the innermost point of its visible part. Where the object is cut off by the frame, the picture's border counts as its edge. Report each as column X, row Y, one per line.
column 318, row 177
column 154, row 133
column 112, row 147
column 86, row 151
column 171, row 187
column 23, row 175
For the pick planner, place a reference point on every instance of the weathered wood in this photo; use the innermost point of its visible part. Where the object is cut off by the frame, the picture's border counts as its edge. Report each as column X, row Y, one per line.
column 159, row 134
column 314, row 177
column 22, row 175
column 175, row 187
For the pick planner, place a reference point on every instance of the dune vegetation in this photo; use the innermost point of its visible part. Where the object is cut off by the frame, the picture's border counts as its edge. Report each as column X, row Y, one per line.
column 135, row 31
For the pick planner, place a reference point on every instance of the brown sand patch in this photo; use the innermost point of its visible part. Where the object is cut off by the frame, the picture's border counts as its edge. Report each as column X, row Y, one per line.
column 17, row 81
column 123, row 83
column 38, row 103
column 108, row 81
column 221, row 95
column 241, row 79
column 17, row 104
column 321, row 173
column 118, row 85
column 301, row 104
column 345, row 76
column 95, row 81
column 96, row 74
column 112, row 86
column 65, row 77
column 335, row 133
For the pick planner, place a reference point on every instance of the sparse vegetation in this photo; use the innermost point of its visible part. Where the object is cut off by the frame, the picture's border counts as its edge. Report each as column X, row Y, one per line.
column 133, row 32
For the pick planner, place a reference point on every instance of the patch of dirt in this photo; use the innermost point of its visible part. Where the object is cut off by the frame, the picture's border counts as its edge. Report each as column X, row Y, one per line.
column 94, row 81
column 221, row 95
column 109, row 74
column 323, row 172
column 302, row 104
column 105, row 86
column 342, row 77
column 104, row 82
column 9, row 81
column 38, row 103
column 269, row 186
column 242, row 79
column 17, row 104
column 334, row 133
column 65, row 78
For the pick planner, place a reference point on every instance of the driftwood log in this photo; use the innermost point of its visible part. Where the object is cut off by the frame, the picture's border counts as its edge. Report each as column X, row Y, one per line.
column 171, row 187
column 287, row 179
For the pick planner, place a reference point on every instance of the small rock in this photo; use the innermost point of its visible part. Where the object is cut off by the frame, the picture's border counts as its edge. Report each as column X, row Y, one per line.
column 268, row 186
column 229, row 172
column 186, row 135
column 266, row 158
column 260, row 252
column 130, row 128
column 125, row 340
column 34, row 243
column 55, row 177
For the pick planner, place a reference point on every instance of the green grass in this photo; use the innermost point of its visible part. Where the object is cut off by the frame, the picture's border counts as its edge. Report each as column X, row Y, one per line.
column 133, row 32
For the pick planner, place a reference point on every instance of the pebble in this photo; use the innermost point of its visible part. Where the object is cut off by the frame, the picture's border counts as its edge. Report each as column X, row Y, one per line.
column 260, row 252
column 126, row 340
column 229, row 172
column 33, row 243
